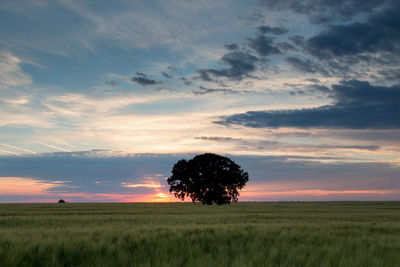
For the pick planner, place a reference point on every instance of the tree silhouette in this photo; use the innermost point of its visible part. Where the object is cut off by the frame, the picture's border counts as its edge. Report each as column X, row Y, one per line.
column 61, row 201
column 207, row 178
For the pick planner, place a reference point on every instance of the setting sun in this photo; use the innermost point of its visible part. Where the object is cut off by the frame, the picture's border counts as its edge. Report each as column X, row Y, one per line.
column 158, row 197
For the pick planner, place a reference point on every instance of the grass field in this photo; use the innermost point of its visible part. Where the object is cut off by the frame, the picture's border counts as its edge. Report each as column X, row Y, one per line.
column 186, row 234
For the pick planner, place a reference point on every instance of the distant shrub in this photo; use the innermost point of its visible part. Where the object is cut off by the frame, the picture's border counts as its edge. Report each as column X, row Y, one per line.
column 61, row 201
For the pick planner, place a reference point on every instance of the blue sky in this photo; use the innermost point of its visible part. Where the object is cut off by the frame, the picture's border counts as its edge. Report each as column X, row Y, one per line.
column 99, row 99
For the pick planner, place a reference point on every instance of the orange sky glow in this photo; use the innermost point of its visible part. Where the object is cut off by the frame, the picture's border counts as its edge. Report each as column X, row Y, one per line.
column 48, row 191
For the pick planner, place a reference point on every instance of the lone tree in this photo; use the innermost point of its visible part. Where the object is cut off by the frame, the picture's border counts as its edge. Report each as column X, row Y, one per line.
column 61, row 201
column 207, row 178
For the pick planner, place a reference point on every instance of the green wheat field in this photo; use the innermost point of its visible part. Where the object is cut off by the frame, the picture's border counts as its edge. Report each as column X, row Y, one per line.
column 188, row 234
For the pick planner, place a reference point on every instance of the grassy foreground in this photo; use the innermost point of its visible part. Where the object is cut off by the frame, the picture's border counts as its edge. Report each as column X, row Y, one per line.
column 186, row 234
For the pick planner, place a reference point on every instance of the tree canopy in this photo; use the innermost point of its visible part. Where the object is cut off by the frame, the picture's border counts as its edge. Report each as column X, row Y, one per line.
column 207, row 178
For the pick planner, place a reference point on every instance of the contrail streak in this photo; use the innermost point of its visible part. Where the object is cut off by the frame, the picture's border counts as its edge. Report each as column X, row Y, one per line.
column 18, row 148
column 9, row 152
column 53, row 146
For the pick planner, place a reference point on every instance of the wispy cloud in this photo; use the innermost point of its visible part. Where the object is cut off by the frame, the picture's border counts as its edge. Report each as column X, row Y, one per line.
column 11, row 74
column 12, row 186
column 149, row 185
column 53, row 146
column 320, row 194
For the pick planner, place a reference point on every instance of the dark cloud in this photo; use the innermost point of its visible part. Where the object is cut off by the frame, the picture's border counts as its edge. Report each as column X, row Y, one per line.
column 205, row 74
column 272, row 30
column 357, row 105
column 263, row 45
column 203, row 90
column 240, row 64
column 380, row 33
column 306, row 65
column 141, row 74
column 319, row 88
column 314, row 90
column 142, row 79
column 390, row 74
column 166, row 75
column 321, row 11
column 313, row 80
column 285, row 46
column 252, row 17
column 297, row 92
column 215, row 138
column 172, row 68
column 341, row 68
column 297, row 40
column 342, row 147
column 259, row 144
column 294, row 85
column 111, row 83
column 164, row 89
column 384, row 137
column 231, row 46
column 186, row 81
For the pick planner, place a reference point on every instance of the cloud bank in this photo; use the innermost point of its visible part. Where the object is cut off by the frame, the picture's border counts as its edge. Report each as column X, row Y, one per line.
column 357, row 105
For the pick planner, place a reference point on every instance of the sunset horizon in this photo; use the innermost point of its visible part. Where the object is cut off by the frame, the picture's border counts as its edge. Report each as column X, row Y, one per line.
column 99, row 100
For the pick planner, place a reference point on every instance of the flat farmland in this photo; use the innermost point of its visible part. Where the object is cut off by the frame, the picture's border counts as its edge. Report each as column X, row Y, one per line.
column 190, row 234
